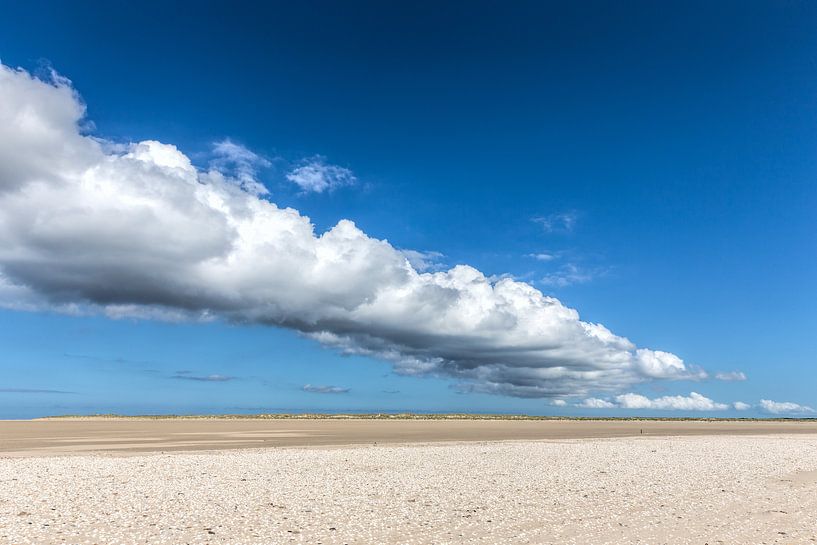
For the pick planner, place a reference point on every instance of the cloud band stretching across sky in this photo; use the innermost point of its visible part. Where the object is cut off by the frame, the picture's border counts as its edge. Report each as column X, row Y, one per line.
column 315, row 389
column 137, row 230
column 785, row 407
column 693, row 402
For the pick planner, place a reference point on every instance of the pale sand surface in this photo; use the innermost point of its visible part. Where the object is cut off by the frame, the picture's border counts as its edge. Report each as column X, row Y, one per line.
column 65, row 436
column 653, row 490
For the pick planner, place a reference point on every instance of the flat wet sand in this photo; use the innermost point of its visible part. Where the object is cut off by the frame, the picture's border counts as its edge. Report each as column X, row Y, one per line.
column 128, row 436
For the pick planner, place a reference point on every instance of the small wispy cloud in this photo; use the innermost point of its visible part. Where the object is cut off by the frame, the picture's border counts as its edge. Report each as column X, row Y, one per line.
column 559, row 403
column 316, row 176
column 102, row 359
column 391, row 391
column 315, row 389
column 32, row 391
column 785, row 407
column 423, row 261
column 239, row 162
column 560, row 222
column 187, row 375
column 494, row 278
column 741, row 406
column 568, row 275
column 731, row 376
column 543, row 256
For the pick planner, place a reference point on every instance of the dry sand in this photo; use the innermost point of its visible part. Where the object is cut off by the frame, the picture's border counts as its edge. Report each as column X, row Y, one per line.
column 735, row 489
column 130, row 435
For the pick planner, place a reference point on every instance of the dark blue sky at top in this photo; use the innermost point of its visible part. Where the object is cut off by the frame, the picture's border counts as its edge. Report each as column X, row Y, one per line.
column 682, row 136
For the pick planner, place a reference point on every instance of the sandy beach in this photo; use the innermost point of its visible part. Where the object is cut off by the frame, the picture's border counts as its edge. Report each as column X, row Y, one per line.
column 718, row 487
column 134, row 435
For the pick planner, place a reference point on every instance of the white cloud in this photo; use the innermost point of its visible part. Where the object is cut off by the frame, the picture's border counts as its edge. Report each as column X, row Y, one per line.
column 693, row 402
column 596, row 403
column 784, row 407
column 137, row 230
column 559, row 403
column 324, row 389
column 741, row 406
column 316, row 176
column 731, row 376
column 659, row 364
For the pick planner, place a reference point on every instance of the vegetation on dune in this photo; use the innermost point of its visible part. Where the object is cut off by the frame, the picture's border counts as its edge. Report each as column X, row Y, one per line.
column 409, row 416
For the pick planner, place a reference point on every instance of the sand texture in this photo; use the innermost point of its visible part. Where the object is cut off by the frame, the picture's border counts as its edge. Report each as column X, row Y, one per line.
column 652, row 490
column 131, row 435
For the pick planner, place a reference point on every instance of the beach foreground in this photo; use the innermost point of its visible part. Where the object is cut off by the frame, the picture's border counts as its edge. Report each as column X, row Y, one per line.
column 693, row 489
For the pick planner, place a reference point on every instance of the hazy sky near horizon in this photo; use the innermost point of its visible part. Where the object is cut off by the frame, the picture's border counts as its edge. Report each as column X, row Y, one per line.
column 549, row 208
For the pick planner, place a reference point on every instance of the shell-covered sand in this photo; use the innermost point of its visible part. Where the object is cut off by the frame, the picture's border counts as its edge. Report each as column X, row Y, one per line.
column 674, row 490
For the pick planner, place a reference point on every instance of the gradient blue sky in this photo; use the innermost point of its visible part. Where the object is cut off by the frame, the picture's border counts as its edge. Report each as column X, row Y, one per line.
column 678, row 140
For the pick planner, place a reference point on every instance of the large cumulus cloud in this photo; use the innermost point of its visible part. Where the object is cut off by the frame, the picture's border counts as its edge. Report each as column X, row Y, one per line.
column 138, row 230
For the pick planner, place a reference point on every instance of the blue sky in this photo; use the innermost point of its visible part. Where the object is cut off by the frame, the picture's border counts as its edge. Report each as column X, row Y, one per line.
column 650, row 165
